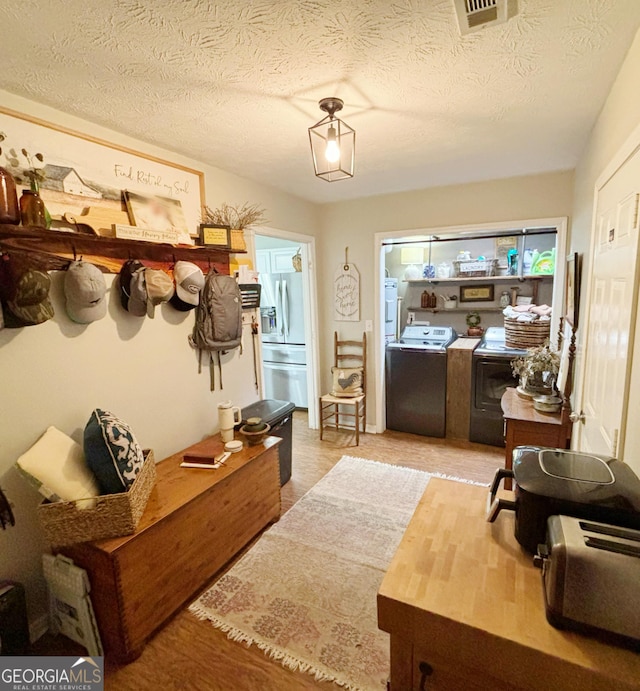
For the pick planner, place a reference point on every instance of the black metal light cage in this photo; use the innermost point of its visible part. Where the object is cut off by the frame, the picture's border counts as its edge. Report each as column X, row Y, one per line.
column 345, row 137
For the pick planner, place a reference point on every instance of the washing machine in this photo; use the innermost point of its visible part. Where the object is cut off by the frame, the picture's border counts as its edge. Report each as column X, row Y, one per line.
column 416, row 380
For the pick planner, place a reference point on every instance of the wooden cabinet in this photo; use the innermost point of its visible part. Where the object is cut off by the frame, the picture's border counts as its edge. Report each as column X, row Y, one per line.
column 459, row 387
column 461, row 596
column 276, row 261
column 195, row 522
column 525, row 426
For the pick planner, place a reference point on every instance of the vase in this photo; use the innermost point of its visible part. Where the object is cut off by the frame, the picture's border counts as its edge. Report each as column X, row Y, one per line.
column 536, row 384
column 9, row 209
column 32, row 209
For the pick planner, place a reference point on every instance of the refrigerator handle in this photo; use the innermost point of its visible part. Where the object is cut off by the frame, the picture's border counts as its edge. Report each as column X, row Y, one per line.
column 278, row 297
column 285, row 307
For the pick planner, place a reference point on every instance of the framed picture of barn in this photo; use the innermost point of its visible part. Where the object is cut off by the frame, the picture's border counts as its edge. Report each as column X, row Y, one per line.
column 79, row 174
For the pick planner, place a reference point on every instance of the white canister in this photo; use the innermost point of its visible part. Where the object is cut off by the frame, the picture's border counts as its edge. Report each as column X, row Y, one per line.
column 228, row 416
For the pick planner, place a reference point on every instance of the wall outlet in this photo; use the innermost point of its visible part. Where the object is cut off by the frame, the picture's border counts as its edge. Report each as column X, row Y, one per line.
column 411, row 317
column 368, row 325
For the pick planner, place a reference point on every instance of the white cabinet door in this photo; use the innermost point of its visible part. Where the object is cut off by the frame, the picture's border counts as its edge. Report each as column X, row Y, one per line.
column 611, row 313
column 282, row 260
column 263, row 261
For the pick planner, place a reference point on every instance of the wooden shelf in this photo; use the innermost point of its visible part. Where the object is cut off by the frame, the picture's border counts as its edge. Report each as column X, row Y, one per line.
column 456, row 309
column 52, row 250
column 484, row 279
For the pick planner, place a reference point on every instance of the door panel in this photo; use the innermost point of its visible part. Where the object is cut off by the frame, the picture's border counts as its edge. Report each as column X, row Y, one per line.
column 611, row 312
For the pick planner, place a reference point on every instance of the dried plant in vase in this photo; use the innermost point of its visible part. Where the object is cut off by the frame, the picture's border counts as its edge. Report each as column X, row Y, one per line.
column 236, row 217
column 538, row 369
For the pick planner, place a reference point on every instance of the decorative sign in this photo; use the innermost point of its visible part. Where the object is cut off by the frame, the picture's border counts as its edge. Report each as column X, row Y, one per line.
column 81, row 171
column 477, row 293
column 146, row 234
column 212, row 235
column 347, row 293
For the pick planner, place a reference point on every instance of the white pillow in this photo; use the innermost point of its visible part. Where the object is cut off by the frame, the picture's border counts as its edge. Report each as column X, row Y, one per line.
column 56, row 465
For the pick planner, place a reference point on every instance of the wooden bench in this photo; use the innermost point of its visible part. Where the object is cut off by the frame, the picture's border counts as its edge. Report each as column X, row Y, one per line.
column 195, row 522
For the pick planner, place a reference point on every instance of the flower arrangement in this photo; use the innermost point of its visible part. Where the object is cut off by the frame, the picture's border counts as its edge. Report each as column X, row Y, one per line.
column 33, row 174
column 537, row 369
column 236, row 217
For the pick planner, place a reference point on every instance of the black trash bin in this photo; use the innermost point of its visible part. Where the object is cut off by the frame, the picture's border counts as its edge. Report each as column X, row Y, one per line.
column 278, row 414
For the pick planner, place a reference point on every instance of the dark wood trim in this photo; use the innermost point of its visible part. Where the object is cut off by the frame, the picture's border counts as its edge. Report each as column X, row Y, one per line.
column 52, row 250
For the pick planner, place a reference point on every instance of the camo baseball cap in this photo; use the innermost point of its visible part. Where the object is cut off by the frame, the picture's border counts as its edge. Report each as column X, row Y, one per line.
column 31, row 304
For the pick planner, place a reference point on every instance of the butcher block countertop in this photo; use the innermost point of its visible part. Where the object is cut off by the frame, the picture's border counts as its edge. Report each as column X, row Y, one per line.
column 461, row 595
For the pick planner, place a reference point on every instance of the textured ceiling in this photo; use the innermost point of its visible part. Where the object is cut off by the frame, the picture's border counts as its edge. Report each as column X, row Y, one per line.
column 236, row 83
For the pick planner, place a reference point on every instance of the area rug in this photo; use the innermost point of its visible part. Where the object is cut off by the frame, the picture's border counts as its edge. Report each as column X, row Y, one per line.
column 305, row 593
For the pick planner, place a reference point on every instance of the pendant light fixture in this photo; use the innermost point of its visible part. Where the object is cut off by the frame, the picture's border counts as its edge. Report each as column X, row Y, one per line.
column 333, row 143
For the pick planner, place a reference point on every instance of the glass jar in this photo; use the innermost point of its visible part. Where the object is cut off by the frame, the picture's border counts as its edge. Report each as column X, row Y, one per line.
column 9, row 210
column 32, row 210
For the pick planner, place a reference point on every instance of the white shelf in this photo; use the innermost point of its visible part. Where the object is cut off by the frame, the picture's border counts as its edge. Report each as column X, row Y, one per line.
column 484, row 279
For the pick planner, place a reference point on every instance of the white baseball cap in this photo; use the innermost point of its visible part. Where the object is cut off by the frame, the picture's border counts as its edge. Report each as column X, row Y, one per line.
column 189, row 282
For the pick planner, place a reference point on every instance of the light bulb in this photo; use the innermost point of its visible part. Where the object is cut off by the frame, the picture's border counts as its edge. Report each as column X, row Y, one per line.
column 332, row 152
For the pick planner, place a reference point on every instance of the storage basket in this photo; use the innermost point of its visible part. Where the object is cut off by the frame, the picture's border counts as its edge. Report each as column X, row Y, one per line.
column 113, row 515
column 526, row 334
column 475, row 267
column 238, row 243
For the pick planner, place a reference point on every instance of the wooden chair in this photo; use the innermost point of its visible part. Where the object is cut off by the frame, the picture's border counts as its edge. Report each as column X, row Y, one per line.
column 347, row 354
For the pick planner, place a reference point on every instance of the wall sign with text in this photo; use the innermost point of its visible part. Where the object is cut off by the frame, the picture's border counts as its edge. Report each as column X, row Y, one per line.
column 347, row 293
column 81, row 171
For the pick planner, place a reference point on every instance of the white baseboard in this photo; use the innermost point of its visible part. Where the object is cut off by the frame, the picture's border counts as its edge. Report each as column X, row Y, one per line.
column 38, row 627
column 371, row 429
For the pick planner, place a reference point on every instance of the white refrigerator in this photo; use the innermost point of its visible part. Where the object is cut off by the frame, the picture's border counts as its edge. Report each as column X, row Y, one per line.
column 283, row 338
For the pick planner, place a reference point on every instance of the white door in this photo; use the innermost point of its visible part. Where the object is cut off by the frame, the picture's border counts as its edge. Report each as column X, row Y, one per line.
column 611, row 312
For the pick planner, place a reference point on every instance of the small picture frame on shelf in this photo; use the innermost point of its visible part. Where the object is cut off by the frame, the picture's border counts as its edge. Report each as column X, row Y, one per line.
column 477, row 293
column 213, row 235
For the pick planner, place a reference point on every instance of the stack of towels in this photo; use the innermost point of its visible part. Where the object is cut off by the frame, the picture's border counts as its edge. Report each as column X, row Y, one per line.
column 528, row 313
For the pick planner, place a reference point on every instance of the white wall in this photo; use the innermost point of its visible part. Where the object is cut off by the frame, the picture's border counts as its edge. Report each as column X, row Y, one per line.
column 619, row 117
column 354, row 224
column 143, row 370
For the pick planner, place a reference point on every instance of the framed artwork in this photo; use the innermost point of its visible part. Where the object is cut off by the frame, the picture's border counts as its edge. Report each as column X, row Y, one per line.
column 572, row 290
column 346, row 295
column 477, row 293
column 212, row 235
column 81, row 172
column 160, row 214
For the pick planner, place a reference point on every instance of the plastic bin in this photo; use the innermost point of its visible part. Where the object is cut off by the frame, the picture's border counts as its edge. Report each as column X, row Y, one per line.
column 278, row 414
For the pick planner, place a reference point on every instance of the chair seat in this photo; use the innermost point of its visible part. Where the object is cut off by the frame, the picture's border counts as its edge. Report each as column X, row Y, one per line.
column 347, row 400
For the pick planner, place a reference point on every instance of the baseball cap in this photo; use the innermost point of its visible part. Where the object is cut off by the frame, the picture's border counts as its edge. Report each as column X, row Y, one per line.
column 85, row 291
column 189, row 282
column 31, row 304
column 159, row 288
column 129, row 288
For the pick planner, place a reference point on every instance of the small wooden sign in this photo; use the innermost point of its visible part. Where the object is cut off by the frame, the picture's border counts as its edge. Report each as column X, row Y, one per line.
column 123, row 232
column 212, row 235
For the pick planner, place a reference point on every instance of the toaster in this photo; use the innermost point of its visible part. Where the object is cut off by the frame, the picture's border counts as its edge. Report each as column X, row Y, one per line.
column 591, row 578
column 549, row 482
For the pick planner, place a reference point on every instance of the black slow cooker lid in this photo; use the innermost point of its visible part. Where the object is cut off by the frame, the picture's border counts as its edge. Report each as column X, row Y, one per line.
column 574, row 476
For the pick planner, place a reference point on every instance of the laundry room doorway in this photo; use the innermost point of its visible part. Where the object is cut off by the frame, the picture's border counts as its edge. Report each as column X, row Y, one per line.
column 288, row 318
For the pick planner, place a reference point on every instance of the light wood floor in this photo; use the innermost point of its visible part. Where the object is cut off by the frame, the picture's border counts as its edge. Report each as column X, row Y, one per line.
column 193, row 655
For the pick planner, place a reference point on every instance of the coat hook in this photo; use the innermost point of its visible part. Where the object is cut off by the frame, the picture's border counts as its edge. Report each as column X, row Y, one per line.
column 75, row 256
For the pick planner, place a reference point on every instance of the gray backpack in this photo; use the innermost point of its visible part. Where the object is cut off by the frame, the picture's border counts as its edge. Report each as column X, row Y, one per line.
column 218, row 326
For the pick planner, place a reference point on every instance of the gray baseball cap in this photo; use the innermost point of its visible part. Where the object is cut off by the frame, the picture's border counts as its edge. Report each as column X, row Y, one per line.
column 85, row 291
column 138, row 294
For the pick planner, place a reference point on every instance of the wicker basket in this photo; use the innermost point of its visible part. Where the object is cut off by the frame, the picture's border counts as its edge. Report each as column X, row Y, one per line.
column 526, row 334
column 475, row 267
column 112, row 516
column 238, row 243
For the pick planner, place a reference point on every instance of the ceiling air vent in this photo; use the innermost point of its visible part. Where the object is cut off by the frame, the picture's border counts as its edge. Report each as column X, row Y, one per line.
column 475, row 14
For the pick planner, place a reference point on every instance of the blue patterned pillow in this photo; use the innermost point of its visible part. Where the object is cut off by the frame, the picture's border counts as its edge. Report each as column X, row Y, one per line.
column 112, row 452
